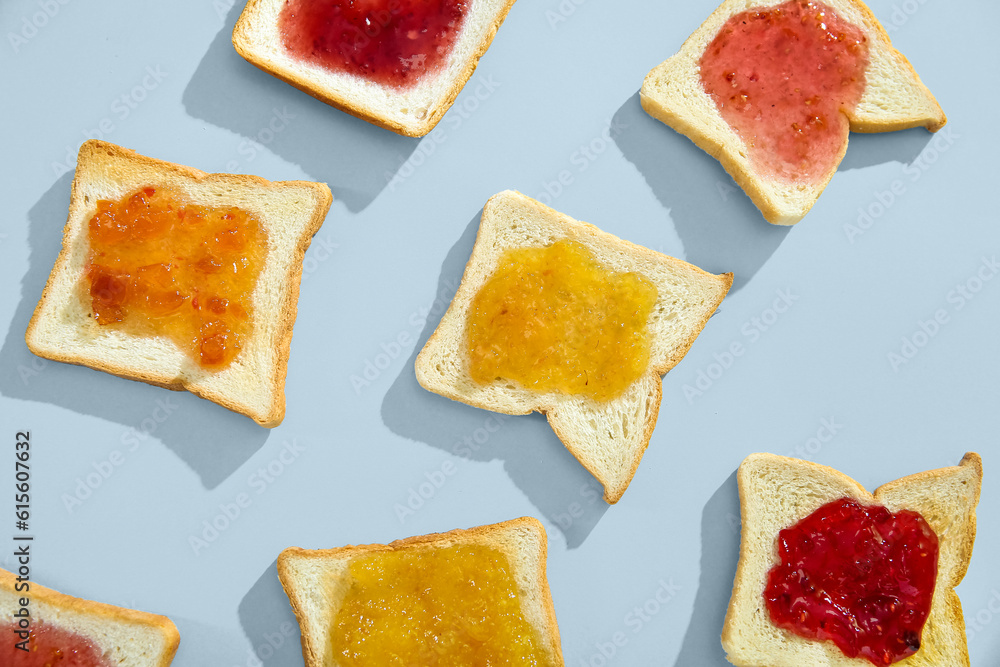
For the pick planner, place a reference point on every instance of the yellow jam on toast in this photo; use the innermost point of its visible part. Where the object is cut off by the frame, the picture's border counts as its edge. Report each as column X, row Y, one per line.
column 554, row 319
column 456, row 605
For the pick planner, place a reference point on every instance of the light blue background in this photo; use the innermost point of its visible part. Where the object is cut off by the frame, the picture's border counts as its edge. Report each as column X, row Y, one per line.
column 396, row 240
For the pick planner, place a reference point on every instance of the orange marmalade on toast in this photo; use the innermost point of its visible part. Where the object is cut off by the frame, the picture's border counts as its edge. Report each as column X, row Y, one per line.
column 160, row 265
column 455, row 605
column 554, row 319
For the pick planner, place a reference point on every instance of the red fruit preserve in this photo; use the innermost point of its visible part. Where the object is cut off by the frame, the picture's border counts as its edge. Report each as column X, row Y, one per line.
column 859, row 576
column 392, row 42
column 49, row 646
column 784, row 77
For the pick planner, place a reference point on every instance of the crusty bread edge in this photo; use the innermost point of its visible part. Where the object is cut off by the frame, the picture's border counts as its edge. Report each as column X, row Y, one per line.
column 112, row 613
column 242, row 42
column 276, row 411
column 614, row 492
column 952, row 600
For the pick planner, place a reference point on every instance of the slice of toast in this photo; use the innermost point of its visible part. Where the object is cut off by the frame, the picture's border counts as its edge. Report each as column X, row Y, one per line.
column 411, row 111
column 125, row 636
column 776, row 492
column 316, row 581
column 610, row 437
column 253, row 384
column 893, row 99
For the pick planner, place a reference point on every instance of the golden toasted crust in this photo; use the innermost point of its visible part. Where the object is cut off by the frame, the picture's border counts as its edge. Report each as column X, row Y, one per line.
column 247, row 45
column 116, row 624
column 301, row 571
column 776, row 492
column 511, row 220
column 894, row 99
column 106, row 167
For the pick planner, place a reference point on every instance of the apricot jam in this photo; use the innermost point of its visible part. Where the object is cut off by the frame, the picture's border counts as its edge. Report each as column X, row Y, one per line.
column 553, row 319
column 159, row 265
column 784, row 78
column 392, row 42
column 49, row 646
column 457, row 605
column 859, row 576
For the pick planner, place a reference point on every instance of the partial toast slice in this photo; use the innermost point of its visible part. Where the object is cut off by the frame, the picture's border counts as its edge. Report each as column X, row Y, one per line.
column 411, row 111
column 776, row 492
column 317, row 582
column 123, row 636
column 608, row 437
column 253, row 384
column 893, row 99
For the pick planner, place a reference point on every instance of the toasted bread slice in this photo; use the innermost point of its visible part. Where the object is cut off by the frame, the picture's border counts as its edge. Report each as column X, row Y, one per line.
column 609, row 437
column 125, row 636
column 254, row 383
column 316, row 581
column 776, row 492
column 893, row 99
column 412, row 111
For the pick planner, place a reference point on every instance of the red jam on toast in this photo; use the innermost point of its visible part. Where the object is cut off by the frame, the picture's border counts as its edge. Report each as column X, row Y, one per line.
column 392, row 42
column 859, row 576
column 784, row 77
column 159, row 265
column 553, row 319
column 48, row 646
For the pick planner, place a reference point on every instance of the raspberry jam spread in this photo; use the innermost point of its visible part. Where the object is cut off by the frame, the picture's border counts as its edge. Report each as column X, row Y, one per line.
column 784, row 77
column 48, row 646
column 392, row 42
column 457, row 605
column 553, row 319
column 857, row 575
column 159, row 265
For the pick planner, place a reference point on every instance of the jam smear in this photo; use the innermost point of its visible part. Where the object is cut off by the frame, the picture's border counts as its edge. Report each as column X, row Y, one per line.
column 457, row 605
column 784, row 78
column 48, row 646
column 859, row 576
column 554, row 319
column 392, row 42
column 159, row 265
